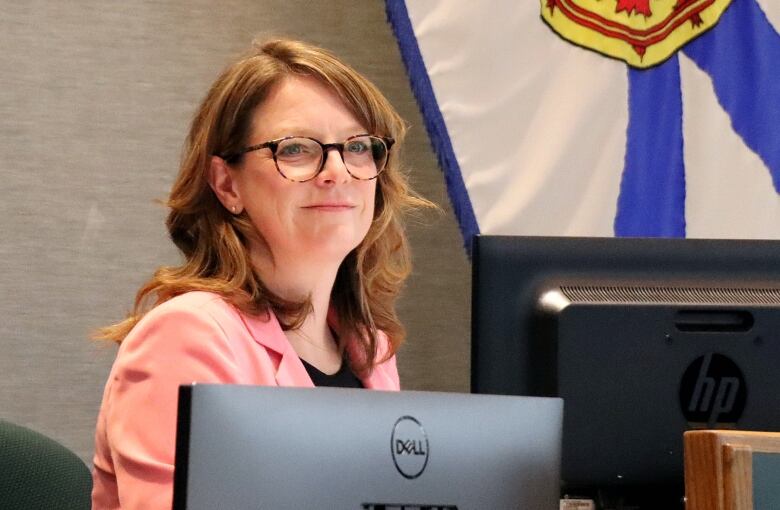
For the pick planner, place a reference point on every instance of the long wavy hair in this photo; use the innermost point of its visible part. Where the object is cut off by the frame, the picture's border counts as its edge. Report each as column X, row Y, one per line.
column 215, row 242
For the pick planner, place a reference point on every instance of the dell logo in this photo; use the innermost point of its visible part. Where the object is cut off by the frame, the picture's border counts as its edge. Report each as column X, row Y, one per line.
column 712, row 392
column 409, row 447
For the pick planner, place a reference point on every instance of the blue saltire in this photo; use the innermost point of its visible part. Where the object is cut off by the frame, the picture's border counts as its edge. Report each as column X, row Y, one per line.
column 651, row 202
column 742, row 56
column 434, row 122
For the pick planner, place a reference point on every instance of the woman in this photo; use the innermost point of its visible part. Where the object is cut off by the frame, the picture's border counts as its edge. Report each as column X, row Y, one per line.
column 287, row 208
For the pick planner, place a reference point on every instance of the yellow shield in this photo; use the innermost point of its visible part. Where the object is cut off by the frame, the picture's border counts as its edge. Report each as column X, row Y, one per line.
column 641, row 32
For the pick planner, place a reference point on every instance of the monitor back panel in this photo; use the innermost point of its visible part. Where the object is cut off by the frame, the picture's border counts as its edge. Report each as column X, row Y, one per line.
column 244, row 447
column 642, row 338
column 633, row 380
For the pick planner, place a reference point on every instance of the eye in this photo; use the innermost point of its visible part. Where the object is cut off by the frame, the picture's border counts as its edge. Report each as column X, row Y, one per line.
column 357, row 146
column 298, row 150
column 291, row 149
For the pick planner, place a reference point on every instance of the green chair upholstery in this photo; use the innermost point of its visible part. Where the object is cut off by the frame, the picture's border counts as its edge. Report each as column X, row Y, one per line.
column 36, row 472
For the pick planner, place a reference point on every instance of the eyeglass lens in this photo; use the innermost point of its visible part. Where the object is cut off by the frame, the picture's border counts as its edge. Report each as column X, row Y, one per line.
column 300, row 158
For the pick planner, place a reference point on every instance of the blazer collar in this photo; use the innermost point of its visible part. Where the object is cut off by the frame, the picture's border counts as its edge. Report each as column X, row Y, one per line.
column 267, row 332
column 291, row 371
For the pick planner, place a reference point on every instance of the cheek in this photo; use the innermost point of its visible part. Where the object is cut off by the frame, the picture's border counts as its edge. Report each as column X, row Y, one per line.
column 266, row 201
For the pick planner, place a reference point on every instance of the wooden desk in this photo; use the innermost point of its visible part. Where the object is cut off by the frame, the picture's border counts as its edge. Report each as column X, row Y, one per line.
column 719, row 469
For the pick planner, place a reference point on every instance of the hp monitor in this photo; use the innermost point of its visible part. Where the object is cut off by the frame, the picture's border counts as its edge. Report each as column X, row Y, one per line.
column 642, row 338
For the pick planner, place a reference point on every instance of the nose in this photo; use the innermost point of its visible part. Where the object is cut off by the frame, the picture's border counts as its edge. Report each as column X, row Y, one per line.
column 333, row 168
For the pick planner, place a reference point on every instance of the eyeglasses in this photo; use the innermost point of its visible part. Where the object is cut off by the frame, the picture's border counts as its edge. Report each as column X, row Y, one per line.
column 301, row 159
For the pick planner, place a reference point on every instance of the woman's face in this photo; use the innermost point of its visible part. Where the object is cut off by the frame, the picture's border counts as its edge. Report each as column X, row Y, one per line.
column 326, row 217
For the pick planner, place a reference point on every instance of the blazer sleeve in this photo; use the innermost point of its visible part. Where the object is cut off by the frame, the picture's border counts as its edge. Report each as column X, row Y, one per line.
column 172, row 347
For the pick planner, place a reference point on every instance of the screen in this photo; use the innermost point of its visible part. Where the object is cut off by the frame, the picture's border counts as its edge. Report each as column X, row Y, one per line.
column 642, row 338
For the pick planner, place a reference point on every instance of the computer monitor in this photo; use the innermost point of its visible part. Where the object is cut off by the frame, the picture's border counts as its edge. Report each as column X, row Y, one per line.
column 642, row 338
column 250, row 447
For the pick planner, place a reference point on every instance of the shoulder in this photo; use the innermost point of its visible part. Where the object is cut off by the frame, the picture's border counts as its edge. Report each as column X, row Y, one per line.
column 191, row 303
column 195, row 337
column 189, row 310
column 203, row 328
column 194, row 320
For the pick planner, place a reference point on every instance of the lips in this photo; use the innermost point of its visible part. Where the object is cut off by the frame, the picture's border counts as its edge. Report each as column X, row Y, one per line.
column 331, row 206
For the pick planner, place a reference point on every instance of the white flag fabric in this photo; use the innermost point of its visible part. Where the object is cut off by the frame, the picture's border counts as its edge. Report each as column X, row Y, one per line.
column 537, row 135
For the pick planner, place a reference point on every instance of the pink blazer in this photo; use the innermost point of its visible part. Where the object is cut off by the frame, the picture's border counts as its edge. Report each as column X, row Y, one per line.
column 195, row 337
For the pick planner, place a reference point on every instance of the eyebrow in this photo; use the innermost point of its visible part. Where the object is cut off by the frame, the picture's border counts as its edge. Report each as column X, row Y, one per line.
column 298, row 131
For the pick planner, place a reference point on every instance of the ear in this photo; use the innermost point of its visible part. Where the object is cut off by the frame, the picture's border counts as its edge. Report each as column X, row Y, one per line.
column 222, row 180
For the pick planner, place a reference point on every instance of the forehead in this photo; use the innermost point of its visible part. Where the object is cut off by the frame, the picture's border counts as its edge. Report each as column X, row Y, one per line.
column 301, row 105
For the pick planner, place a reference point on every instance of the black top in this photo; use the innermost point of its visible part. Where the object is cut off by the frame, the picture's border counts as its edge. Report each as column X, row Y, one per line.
column 344, row 378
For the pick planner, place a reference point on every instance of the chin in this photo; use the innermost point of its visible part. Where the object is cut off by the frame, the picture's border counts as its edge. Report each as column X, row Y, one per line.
column 332, row 247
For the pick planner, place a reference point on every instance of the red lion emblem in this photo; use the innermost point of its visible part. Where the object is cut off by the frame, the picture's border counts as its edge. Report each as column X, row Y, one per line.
column 635, row 31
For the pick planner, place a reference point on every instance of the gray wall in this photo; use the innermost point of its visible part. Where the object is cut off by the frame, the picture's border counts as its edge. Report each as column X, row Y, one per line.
column 95, row 99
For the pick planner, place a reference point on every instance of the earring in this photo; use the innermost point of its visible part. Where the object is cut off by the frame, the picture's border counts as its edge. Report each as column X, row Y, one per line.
column 233, row 208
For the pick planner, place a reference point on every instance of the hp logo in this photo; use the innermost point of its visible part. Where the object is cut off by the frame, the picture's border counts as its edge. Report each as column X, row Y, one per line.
column 712, row 392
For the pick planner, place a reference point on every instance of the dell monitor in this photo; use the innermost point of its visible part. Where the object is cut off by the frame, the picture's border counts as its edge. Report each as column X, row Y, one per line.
column 642, row 338
column 252, row 447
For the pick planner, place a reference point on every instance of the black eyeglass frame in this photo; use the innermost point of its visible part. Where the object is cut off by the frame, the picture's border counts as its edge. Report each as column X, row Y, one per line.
column 274, row 145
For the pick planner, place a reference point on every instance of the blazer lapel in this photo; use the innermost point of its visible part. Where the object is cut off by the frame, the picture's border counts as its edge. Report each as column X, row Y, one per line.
column 291, row 371
column 268, row 333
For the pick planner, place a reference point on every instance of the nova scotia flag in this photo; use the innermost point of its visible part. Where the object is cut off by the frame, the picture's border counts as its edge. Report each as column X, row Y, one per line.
column 537, row 135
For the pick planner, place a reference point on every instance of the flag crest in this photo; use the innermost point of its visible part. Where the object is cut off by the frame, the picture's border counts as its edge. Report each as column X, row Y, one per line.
column 643, row 33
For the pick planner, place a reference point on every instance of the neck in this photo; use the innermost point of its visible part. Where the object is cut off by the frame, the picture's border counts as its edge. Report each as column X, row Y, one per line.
column 300, row 278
